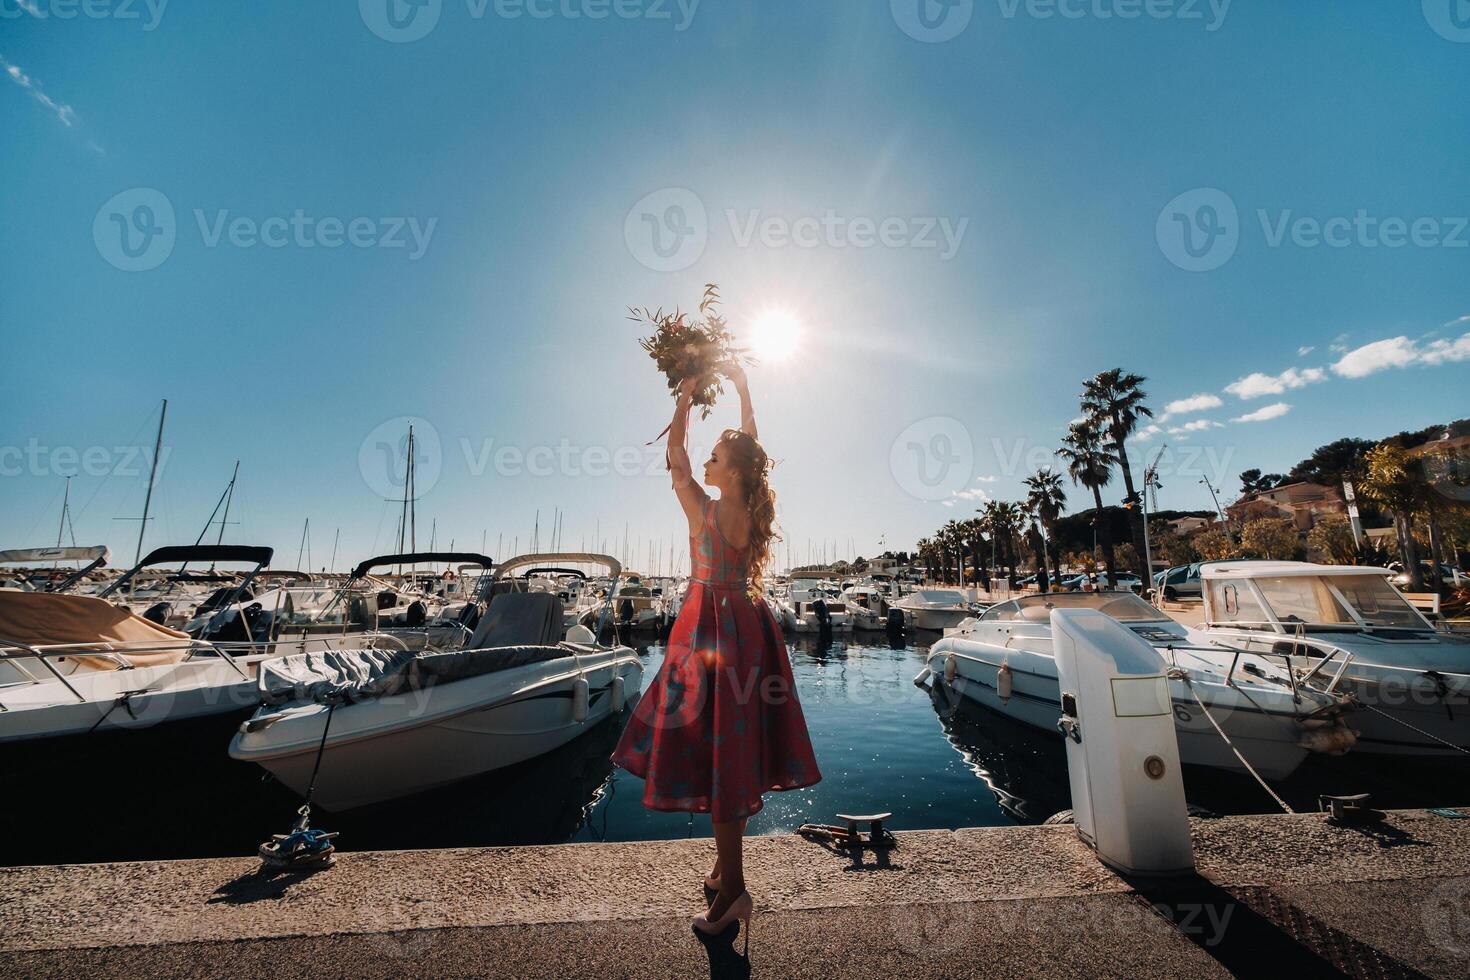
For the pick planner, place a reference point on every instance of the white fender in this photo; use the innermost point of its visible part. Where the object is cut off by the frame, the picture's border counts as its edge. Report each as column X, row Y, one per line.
column 1003, row 681
column 580, row 693
column 617, row 694
column 922, row 677
column 951, row 665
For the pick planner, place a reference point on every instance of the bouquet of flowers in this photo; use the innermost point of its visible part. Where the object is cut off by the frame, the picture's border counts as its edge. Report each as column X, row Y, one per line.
column 692, row 347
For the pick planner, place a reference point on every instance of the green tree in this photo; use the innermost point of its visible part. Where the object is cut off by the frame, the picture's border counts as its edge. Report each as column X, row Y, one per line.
column 1333, row 463
column 1214, row 544
column 1270, row 538
column 1330, row 541
column 1046, row 499
column 1114, row 401
column 1090, row 460
column 1169, row 545
column 1394, row 479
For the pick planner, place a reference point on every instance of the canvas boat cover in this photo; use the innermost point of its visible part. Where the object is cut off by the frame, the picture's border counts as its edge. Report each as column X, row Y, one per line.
column 362, row 675
column 48, row 619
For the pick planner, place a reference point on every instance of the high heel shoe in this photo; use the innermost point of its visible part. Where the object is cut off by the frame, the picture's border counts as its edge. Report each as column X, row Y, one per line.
column 742, row 908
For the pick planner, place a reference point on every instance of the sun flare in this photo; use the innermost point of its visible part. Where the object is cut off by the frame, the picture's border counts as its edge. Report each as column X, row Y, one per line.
column 775, row 335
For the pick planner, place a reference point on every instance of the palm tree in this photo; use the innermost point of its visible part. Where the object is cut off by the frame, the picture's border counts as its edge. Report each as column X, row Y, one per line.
column 1114, row 402
column 1046, row 499
column 1090, row 461
column 950, row 535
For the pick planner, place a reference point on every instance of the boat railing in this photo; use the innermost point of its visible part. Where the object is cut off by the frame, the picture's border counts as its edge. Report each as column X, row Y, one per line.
column 117, row 652
column 1328, row 653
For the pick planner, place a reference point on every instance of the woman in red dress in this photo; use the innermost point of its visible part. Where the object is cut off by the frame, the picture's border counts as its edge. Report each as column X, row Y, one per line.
column 721, row 724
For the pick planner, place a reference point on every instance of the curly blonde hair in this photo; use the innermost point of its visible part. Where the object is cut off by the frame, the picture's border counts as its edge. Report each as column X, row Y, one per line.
column 754, row 466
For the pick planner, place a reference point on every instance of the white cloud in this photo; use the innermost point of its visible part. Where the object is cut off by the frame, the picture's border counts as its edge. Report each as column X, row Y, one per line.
column 1274, row 411
column 1446, row 351
column 64, row 113
column 1198, row 425
column 1257, row 384
column 1190, row 405
column 1395, row 352
column 1401, row 352
column 1304, row 351
column 987, row 479
column 1147, row 432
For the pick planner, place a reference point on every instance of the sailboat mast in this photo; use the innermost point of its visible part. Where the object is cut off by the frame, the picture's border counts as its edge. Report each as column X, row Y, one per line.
column 65, row 504
column 229, row 496
column 152, row 474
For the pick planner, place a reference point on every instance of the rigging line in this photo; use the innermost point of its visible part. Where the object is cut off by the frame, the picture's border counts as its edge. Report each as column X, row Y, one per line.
column 132, row 440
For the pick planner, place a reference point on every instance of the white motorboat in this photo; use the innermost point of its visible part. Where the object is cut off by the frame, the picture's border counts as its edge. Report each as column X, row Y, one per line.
column 55, row 579
column 935, row 609
column 390, row 724
column 1003, row 661
column 635, row 607
column 815, row 604
column 365, row 611
column 867, row 604
column 82, row 665
column 1412, row 681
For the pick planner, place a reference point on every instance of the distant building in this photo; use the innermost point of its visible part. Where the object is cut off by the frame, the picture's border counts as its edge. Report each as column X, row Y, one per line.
column 1303, row 503
column 1185, row 526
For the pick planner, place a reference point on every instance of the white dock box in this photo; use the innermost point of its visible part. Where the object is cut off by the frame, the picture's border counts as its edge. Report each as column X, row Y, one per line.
column 1122, row 751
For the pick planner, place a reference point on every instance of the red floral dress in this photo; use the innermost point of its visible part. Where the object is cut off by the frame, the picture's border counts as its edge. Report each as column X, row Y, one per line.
column 720, row 724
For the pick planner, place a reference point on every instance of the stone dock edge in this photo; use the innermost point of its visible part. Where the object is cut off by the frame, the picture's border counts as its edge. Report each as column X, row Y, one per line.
column 1277, row 893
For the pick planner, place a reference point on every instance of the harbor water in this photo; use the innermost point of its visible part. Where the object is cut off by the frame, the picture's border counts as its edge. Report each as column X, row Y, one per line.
column 883, row 744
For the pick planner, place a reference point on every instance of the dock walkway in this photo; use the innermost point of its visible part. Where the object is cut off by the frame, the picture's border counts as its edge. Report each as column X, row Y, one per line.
column 1279, row 896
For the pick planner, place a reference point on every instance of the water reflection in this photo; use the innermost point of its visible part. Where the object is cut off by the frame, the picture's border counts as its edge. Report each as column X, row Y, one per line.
column 883, row 744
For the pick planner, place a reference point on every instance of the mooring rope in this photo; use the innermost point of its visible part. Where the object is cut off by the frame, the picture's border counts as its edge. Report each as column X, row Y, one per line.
column 1457, row 748
column 1180, row 674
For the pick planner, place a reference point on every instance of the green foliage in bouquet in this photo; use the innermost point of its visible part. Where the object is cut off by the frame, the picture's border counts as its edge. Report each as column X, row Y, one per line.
column 685, row 346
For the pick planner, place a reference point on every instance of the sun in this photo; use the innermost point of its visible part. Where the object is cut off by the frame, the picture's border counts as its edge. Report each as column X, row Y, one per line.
column 775, row 335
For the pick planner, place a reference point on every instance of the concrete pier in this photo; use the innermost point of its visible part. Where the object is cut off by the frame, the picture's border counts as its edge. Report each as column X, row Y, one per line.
column 1282, row 896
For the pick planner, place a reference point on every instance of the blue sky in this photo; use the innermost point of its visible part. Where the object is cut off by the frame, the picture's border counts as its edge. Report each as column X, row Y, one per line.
column 1033, row 178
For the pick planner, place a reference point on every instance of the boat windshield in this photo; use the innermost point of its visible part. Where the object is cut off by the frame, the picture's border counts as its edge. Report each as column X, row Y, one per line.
column 1310, row 600
column 1122, row 606
column 944, row 597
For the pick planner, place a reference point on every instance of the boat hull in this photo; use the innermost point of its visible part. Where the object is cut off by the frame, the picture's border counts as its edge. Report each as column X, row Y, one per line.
column 394, row 747
column 1035, row 700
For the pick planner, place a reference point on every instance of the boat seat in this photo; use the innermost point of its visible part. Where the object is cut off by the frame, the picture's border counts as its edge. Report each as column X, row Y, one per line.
column 362, row 675
column 520, row 619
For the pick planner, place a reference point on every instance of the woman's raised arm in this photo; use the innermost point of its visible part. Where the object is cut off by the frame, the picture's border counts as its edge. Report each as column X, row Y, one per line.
column 691, row 494
column 736, row 374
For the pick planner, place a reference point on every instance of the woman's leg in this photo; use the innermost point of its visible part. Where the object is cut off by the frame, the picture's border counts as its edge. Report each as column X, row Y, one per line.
column 718, row 864
column 729, row 843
